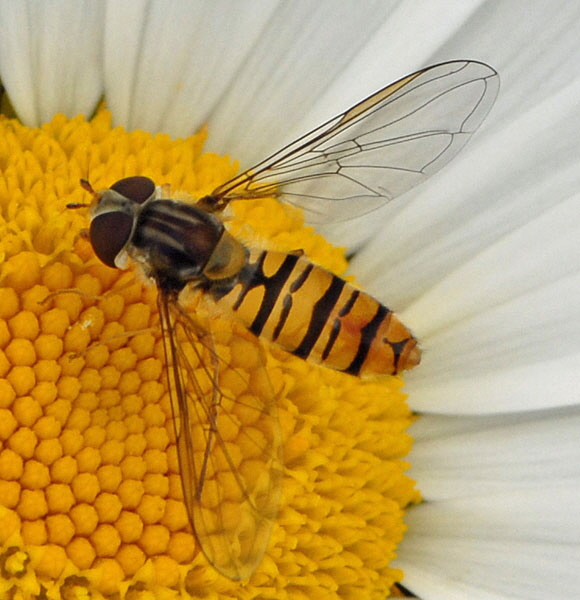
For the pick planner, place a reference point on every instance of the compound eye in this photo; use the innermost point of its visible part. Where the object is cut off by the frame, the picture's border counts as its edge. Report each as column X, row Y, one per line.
column 137, row 188
column 109, row 233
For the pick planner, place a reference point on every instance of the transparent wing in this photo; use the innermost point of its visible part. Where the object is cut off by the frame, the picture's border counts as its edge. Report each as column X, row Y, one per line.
column 377, row 150
column 228, row 442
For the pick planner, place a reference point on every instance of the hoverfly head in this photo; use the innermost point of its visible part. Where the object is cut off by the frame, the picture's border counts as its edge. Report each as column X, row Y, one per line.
column 114, row 216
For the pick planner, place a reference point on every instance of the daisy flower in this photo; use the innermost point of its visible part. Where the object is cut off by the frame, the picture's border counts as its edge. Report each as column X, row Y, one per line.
column 482, row 264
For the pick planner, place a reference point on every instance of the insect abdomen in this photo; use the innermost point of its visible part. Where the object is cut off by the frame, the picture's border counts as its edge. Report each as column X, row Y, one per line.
column 318, row 316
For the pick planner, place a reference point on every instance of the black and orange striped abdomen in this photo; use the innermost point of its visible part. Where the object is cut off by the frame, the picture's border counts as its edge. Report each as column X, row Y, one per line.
column 318, row 316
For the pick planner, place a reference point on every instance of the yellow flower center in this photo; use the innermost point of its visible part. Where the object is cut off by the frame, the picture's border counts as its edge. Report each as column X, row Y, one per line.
column 90, row 492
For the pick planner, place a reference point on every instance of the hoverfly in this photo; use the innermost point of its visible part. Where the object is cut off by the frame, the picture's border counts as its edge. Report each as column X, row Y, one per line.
column 350, row 165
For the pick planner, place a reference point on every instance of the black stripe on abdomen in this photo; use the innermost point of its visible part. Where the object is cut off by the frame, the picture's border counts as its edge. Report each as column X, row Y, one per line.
column 272, row 287
column 367, row 335
column 320, row 315
column 335, row 331
column 287, row 302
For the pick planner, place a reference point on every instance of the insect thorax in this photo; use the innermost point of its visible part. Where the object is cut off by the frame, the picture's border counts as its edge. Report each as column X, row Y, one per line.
column 179, row 244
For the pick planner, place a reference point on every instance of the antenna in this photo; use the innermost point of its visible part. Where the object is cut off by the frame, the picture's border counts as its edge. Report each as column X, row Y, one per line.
column 89, row 188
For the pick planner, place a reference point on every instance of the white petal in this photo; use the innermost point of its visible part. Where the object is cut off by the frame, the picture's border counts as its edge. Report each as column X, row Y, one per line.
column 506, row 37
column 533, row 46
column 512, row 545
column 166, row 64
column 174, row 67
column 455, row 457
column 50, row 57
column 501, row 518
column 550, row 383
column 316, row 60
column 255, row 70
column 387, row 54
